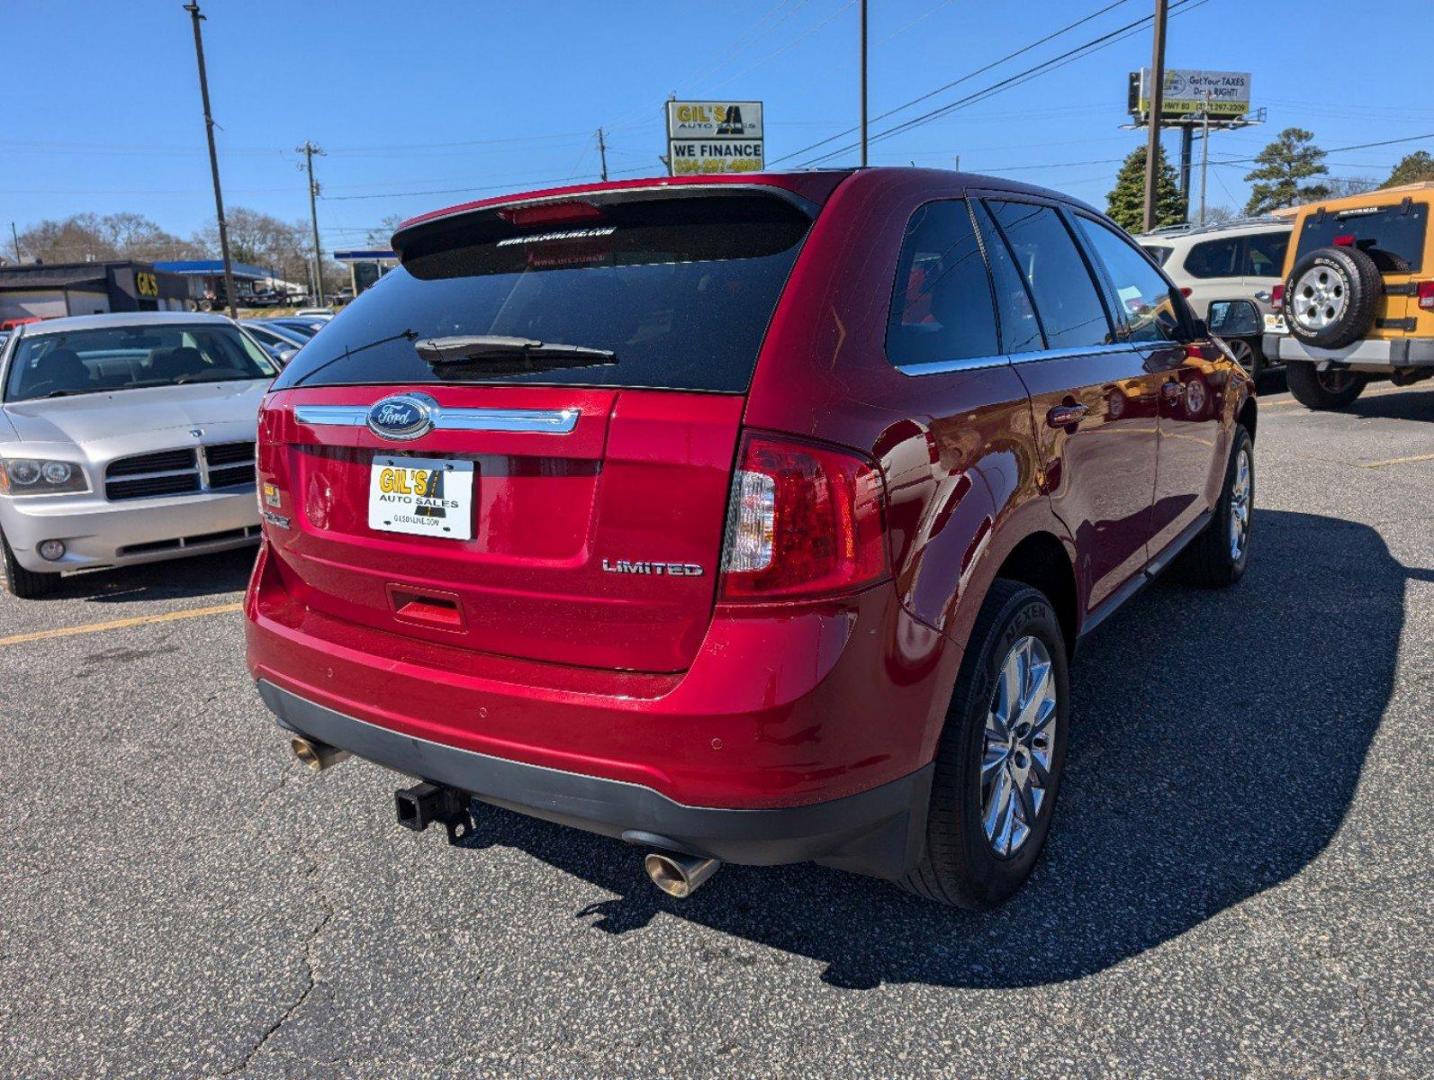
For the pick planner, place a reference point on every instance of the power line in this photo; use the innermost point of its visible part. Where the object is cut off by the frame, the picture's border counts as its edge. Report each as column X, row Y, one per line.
column 1035, row 71
column 1333, row 150
column 957, row 82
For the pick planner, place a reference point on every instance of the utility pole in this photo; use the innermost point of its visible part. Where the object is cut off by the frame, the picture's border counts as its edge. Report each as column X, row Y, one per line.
column 602, row 153
column 1204, row 152
column 1157, row 102
column 193, row 9
column 863, row 83
column 16, row 238
column 309, row 150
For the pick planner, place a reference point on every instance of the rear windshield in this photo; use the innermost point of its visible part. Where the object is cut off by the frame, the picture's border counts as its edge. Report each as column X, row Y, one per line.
column 72, row 362
column 1393, row 236
column 680, row 290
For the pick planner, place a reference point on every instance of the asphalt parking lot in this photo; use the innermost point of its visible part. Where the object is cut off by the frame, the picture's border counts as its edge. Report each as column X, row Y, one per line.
column 1237, row 883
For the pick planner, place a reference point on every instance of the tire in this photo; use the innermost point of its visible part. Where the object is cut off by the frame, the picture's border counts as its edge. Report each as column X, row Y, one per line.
column 1331, row 295
column 1330, row 389
column 960, row 866
column 1218, row 556
column 1248, row 355
column 26, row 584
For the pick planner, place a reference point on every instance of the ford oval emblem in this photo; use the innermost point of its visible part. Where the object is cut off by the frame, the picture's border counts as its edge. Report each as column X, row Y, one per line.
column 403, row 416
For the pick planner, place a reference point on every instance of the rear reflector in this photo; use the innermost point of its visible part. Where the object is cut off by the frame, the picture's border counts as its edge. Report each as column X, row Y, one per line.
column 1425, row 293
column 1344, row 240
column 1277, row 297
column 1185, row 291
column 804, row 521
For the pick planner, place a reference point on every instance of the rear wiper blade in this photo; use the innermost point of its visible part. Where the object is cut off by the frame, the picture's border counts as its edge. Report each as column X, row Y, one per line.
column 486, row 348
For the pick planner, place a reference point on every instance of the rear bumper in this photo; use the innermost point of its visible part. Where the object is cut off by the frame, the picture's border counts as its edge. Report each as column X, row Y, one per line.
column 878, row 832
column 1371, row 352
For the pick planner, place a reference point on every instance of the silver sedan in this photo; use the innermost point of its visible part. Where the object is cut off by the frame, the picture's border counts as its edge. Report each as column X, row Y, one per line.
column 125, row 439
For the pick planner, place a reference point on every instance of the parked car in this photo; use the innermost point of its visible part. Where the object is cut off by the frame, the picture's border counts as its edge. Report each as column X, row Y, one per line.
column 664, row 510
column 125, row 439
column 1358, row 295
column 280, row 342
column 305, row 327
column 1236, row 261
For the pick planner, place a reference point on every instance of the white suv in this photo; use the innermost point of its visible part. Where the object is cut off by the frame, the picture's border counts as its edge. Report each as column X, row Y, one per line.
column 1212, row 263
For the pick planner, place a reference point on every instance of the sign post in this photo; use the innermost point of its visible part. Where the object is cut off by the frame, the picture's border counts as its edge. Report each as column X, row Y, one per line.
column 714, row 137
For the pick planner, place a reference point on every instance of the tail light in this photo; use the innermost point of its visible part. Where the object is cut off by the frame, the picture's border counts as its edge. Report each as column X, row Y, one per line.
column 1425, row 293
column 804, row 521
column 1277, row 297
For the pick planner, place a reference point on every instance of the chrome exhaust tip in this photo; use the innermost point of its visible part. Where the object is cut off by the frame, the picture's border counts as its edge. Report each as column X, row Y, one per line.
column 316, row 755
column 679, row 875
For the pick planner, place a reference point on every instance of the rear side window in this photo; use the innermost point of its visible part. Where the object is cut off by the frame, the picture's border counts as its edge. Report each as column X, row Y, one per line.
column 679, row 289
column 1020, row 329
column 1393, row 236
column 942, row 307
column 1066, row 298
column 1265, row 254
column 1142, row 296
column 1214, row 258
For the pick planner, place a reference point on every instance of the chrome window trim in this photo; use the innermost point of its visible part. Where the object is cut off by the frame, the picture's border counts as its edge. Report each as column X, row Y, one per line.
column 976, row 363
column 539, row 421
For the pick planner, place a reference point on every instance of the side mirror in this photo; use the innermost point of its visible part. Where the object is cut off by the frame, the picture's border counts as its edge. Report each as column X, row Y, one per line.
column 1234, row 318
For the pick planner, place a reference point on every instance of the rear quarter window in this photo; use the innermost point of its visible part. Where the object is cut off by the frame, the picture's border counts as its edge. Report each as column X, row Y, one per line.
column 680, row 289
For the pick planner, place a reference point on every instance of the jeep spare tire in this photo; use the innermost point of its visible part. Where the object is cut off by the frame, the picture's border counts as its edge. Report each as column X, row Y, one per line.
column 1331, row 295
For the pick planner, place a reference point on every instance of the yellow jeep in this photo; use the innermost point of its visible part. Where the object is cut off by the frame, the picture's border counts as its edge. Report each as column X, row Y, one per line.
column 1357, row 295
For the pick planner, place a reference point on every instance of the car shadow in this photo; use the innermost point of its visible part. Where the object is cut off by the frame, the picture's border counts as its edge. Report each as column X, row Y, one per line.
column 176, row 579
column 1216, row 743
column 1416, row 403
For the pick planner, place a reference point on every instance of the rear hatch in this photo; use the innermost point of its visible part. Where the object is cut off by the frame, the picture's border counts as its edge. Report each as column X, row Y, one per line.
column 1395, row 236
column 517, row 496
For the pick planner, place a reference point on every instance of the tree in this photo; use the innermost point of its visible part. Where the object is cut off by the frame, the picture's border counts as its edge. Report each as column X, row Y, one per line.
column 1126, row 202
column 264, row 240
column 1414, row 168
column 1340, row 186
column 1279, row 170
column 381, row 236
column 89, row 237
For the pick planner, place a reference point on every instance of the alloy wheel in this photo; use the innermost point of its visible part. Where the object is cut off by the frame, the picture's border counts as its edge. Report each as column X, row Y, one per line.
column 1019, row 744
column 1319, row 298
column 1240, row 505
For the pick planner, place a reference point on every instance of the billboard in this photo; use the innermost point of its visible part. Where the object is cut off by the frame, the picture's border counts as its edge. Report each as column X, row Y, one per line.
column 714, row 137
column 1226, row 94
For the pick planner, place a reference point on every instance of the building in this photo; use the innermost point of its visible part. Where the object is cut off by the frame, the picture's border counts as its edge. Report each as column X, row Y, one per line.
column 205, row 279
column 53, row 290
column 366, row 267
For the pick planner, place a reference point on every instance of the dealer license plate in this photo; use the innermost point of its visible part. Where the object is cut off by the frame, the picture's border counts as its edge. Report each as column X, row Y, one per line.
column 421, row 497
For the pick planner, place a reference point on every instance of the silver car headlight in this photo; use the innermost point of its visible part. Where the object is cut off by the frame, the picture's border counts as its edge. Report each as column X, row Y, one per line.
column 38, row 476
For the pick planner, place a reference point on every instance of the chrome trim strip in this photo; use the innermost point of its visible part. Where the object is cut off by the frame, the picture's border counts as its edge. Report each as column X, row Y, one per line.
column 549, row 421
column 974, row 363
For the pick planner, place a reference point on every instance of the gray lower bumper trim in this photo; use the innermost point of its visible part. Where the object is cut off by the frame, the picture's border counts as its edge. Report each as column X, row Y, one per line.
column 1383, row 352
column 878, row 832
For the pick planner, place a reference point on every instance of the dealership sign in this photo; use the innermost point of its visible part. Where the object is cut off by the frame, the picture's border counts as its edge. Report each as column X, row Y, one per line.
column 714, row 137
column 1222, row 94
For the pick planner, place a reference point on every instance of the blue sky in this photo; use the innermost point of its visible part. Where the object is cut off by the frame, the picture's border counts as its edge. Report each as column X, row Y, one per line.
column 422, row 104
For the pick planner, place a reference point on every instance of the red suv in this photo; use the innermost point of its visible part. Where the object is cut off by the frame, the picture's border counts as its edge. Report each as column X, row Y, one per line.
column 745, row 518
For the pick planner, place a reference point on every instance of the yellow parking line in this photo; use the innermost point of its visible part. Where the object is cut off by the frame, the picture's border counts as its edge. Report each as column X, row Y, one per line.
column 1394, row 461
column 120, row 624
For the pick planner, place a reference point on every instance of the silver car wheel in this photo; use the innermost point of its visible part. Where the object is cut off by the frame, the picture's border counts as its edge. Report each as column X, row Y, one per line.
column 1240, row 505
column 1243, row 352
column 1320, row 298
column 1019, row 743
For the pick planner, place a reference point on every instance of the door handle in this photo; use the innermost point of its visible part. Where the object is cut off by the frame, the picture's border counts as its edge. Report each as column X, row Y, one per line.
column 1263, row 294
column 1065, row 415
